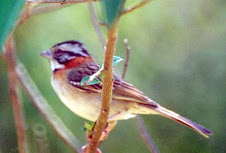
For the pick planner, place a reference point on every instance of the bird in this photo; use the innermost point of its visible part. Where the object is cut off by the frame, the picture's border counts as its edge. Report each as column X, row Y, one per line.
column 70, row 62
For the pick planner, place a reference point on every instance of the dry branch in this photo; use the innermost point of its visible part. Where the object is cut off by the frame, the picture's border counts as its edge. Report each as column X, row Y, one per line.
column 106, row 93
column 62, row 1
column 142, row 129
column 127, row 58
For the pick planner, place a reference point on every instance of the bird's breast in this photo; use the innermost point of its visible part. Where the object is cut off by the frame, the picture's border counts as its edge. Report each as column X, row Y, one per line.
column 83, row 104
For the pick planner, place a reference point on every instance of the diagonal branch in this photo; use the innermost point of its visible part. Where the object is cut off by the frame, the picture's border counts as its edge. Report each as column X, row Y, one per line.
column 35, row 8
column 46, row 111
column 16, row 103
column 135, row 6
column 106, row 94
column 62, row 1
column 39, row 102
column 146, row 136
column 142, row 129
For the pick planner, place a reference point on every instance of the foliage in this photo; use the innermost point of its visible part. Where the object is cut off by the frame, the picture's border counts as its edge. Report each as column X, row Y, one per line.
column 89, row 81
column 87, row 78
column 112, row 9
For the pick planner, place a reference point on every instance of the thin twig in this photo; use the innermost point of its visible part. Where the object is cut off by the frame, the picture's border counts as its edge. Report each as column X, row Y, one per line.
column 16, row 103
column 25, row 14
column 41, row 104
column 142, row 129
column 135, row 6
column 34, row 8
column 106, row 94
column 96, row 24
column 146, row 136
column 127, row 58
column 102, row 24
column 62, row 1
column 46, row 111
column 41, row 139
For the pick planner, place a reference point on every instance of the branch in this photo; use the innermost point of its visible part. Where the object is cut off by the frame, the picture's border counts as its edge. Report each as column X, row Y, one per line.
column 25, row 14
column 127, row 58
column 16, row 103
column 102, row 24
column 135, row 6
column 91, row 78
column 142, row 129
column 62, row 1
column 41, row 139
column 46, row 111
column 106, row 94
column 96, row 24
column 33, row 9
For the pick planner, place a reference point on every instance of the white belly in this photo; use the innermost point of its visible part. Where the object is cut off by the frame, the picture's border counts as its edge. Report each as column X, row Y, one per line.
column 85, row 105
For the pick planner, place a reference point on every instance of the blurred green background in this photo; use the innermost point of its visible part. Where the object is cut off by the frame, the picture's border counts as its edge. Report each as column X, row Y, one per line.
column 178, row 58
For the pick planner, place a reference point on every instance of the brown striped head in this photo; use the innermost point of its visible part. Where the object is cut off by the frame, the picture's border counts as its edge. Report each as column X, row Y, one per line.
column 66, row 54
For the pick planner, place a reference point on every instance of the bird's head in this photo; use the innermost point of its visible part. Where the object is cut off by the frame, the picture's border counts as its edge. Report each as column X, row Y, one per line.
column 67, row 55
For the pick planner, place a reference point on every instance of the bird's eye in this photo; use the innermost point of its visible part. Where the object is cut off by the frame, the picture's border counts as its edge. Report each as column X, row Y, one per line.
column 58, row 53
column 63, row 56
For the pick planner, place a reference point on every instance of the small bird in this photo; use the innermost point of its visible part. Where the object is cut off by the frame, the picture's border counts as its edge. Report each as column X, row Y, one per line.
column 71, row 62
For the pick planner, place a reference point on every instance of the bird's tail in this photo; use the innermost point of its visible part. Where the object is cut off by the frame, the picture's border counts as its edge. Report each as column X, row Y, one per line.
column 180, row 119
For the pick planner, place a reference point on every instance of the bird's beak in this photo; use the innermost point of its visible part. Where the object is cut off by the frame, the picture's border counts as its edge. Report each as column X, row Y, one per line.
column 47, row 54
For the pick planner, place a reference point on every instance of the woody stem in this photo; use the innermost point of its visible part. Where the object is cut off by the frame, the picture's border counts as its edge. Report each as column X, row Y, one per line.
column 106, row 94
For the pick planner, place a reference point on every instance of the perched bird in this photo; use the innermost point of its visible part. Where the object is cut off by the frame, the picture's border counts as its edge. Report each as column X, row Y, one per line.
column 71, row 62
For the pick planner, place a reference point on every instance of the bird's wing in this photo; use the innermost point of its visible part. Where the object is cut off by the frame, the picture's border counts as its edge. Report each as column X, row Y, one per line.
column 127, row 92
column 121, row 89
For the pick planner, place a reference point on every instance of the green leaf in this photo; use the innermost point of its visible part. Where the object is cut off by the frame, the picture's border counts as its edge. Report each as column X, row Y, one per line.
column 85, row 80
column 9, row 13
column 112, row 8
column 116, row 60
